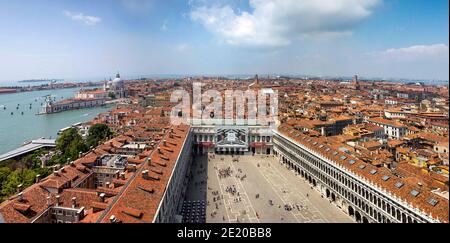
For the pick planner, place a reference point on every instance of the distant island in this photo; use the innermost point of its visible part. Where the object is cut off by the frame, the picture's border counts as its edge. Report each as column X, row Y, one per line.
column 41, row 80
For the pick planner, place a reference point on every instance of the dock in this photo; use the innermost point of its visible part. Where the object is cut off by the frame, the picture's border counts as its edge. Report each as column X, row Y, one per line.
column 34, row 145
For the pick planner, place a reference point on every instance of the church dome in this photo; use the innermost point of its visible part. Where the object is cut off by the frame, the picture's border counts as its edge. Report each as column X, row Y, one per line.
column 117, row 81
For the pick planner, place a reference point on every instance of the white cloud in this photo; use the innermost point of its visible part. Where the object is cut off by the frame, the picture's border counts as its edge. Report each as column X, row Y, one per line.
column 414, row 52
column 274, row 23
column 80, row 17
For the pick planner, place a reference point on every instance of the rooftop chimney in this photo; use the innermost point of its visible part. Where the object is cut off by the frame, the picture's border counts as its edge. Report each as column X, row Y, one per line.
column 49, row 201
column 19, row 188
column 74, row 202
column 58, row 197
column 145, row 174
column 149, row 161
column 112, row 219
column 164, row 142
column 38, row 178
column 122, row 175
column 102, row 197
column 108, row 184
column 20, row 197
column 72, row 164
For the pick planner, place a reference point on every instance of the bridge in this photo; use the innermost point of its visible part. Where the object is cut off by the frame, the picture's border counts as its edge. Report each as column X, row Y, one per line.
column 34, row 145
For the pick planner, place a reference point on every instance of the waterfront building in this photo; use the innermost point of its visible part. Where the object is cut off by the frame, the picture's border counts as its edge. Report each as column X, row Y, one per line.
column 70, row 104
column 91, row 94
column 116, row 87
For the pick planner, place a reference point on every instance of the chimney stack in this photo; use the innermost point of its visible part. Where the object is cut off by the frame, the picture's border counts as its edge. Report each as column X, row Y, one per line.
column 122, row 175
column 108, row 184
column 164, row 142
column 58, row 197
column 20, row 197
column 102, row 197
column 74, row 202
column 112, row 219
column 145, row 174
column 19, row 188
column 38, row 178
column 72, row 164
column 49, row 201
column 149, row 161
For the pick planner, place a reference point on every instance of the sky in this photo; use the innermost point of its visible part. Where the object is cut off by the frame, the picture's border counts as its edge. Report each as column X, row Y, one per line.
column 89, row 39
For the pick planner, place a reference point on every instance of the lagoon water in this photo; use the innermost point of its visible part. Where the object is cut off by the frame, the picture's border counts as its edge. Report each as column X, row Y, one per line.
column 17, row 128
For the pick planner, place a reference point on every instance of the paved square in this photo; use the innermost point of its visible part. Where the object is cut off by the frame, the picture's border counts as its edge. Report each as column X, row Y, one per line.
column 256, row 189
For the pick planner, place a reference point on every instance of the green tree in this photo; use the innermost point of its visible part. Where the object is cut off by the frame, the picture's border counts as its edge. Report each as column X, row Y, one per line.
column 4, row 173
column 28, row 177
column 112, row 95
column 98, row 133
column 25, row 177
column 9, row 187
column 70, row 143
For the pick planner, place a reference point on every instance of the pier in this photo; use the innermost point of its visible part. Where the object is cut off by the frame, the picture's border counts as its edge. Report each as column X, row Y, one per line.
column 34, row 145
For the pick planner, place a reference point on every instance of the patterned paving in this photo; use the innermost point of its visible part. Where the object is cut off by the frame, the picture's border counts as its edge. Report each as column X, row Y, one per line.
column 263, row 176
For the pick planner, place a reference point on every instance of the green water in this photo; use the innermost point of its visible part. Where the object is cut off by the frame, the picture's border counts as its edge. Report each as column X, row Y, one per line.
column 16, row 129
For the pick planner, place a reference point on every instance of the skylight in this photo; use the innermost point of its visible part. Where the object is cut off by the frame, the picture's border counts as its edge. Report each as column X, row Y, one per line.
column 399, row 185
column 414, row 193
column 432, row 201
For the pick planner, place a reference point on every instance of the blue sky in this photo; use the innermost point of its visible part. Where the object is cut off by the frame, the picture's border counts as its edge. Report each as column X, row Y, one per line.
column 81, row 39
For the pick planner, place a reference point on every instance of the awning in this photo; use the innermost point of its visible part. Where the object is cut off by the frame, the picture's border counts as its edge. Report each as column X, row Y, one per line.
column 206, row 144
column 257, row 144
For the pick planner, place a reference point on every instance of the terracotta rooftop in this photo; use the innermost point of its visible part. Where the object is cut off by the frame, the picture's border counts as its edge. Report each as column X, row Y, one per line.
column 139, row 201
column 439, row 211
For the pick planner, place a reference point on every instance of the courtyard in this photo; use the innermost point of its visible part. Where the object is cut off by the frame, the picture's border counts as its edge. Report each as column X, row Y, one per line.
column 253, row 189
